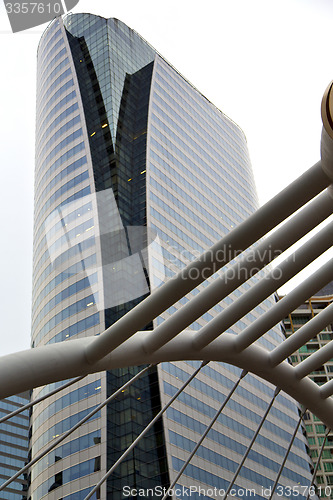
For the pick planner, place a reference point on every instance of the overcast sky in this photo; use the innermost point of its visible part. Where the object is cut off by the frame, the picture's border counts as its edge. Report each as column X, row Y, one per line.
column 265, row 63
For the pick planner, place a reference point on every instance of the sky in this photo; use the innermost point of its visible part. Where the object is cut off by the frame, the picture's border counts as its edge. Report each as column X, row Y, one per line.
column 264, row 63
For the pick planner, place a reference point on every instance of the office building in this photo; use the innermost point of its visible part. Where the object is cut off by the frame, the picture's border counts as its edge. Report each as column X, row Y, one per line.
column 315, row 429
column 136, row 174
column 14, row 445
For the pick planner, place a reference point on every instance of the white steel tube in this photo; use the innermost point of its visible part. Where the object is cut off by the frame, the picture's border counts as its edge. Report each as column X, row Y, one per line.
column 271, row 247
column 265, row 287
column 326, row 390
column 281, row 309
column 302, row 335
column 43, row 365
column 314, row 361
column 257, row 225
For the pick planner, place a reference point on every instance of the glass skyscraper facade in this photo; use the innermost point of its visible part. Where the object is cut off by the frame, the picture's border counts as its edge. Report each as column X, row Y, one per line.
column 14, row 446
column 136, row 174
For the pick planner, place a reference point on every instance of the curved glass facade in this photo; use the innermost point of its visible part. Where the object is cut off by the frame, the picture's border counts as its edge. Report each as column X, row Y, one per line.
column 136, row 174
column 199, row 186
column 66, row 276
column 14, row 443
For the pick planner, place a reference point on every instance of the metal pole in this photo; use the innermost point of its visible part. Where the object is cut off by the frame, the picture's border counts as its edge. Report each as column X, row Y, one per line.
column 287, row 453
column 265, row 287
column 281, row 309
column 315, row 360
column 303, row 334
column 317, row 464
column 70, row 431
column 39, row 400
column 232, row 482
column 326, row 390
column 257, row 225
column 146, row 429
column 219, row 411
column 266, row 251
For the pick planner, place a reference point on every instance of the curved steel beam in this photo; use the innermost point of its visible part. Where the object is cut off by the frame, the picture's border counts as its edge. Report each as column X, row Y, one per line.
column 43, row 365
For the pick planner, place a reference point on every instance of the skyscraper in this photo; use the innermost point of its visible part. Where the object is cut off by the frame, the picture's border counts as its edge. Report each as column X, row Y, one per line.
column 136, row 173
column 315, row 429
column 14, row 443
